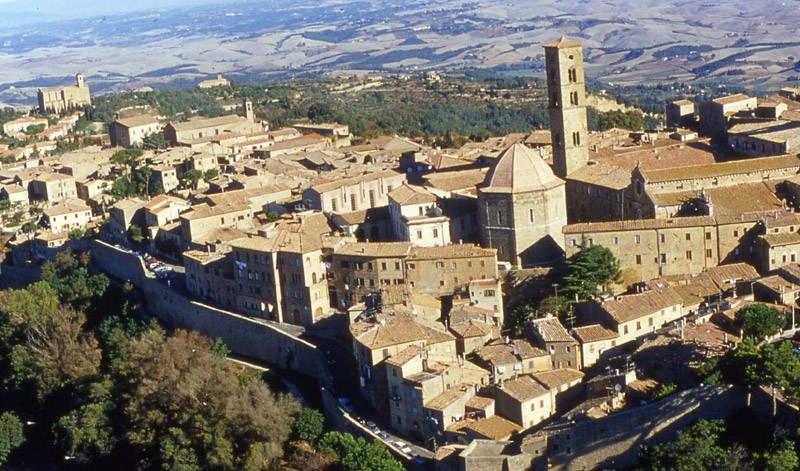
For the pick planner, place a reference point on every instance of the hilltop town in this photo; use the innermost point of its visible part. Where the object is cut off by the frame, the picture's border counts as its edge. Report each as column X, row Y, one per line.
column 548, row 299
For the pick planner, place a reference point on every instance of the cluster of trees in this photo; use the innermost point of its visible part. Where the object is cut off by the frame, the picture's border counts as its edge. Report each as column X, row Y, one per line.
column 173, row 103
column 589, row 272
column 711, row 445
column 85, row 381
column 136, row 181
column 103, row 389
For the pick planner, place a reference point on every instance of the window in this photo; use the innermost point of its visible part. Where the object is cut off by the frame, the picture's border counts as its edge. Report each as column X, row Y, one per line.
column 637, row 239
column 638, row 259
column 419, row 234
column 576, row 138
column 688, row 255
column 708, row 236
column 499, row 217
column 709, row 253
column 688, row 236
column 615, row 240
column 663, row 238
column 572, row 75
column 530, row 215
column 736, row 233
column 436, row 233
column 638, row 325
column 650, row 321
column 663, row 258
column 573, row 98
column 383, row 265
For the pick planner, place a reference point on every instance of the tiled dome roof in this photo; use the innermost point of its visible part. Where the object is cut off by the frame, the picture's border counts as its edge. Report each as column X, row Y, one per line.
column 518, row 170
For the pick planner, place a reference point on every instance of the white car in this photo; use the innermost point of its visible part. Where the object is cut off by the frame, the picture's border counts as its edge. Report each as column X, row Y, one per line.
column 371, row 425
column 406, row 449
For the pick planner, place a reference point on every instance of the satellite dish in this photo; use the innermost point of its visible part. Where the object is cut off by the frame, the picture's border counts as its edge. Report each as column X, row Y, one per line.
column 617, row 387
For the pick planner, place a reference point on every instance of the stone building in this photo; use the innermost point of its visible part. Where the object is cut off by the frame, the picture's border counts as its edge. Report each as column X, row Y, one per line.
column 185, row 133
column 680, row 114
column 51, row 188
column 131, row 131
column 62, row 99
column 716, row 114
column 67, row 215
column 22, row 124
column 566, row 89
column 635, row 315
column 524, row 401
column 417, row 218
column 548, row 333
column 522, row 209
column 361, row 268
column 344, row 195
column 219, row 81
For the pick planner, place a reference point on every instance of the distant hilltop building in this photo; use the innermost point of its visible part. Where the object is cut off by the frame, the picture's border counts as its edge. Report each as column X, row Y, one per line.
column 220, row 81
column 61, row 99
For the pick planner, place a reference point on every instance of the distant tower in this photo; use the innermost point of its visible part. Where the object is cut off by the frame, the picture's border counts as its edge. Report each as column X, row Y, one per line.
column 80, row 81
column 248, row 110
column 566, row 88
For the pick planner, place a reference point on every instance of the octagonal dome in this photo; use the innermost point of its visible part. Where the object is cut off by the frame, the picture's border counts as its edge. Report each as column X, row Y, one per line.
column 518, row 170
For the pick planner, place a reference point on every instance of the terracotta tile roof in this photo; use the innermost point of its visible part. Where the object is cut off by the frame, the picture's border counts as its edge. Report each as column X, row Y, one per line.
column 450, row 396
column 726, row 100
column 638, row 224
column 500, row 353
column 563, row 42
column 325, row 184
column 480, row 402
column 405, row 355
column 493, row 428
column 719, row 169
column 524, row 388
column 603, row 174
column 518, row 170
column 778, row 284
column 455, row 180
column 738, row 199
column 781, row 239
column 395, row 329
column 202, row 123
column 634, row 306
column 410, row 194
column 551, row 330
column 593, row 333
column 470, row 329
column 375, row 249
column 134, row 121
column 554, row 378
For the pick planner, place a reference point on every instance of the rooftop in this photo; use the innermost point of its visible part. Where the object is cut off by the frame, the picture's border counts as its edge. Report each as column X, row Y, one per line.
column 593, row 333
column 551, row 330
column 411, row 194
column 524, row 388
column 763, row 164
column 553, row 379
column 518, row 170
column 635, row 306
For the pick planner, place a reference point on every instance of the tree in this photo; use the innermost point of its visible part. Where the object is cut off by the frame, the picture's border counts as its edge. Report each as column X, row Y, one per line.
column 86, row 433
column 309, row 425
column 187, row 407
column 358, row 455
column 760, row 321
column 777, row 366
column 210, row 174
column 590, row 270
column 519, row 316
column 192, row 177
column 126, row 157
column 29, row 227
column 11, row 435
column 155, row 141
column 697, row 447
column 76, row 234
column 782, row 456
column 135, row 234
column 70, row 276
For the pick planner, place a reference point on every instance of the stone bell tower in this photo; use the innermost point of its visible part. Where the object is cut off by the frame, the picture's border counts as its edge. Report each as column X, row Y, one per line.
column 566, row 89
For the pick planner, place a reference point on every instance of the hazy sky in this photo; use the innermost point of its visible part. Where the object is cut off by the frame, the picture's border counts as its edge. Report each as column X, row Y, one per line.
column 45, row 10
